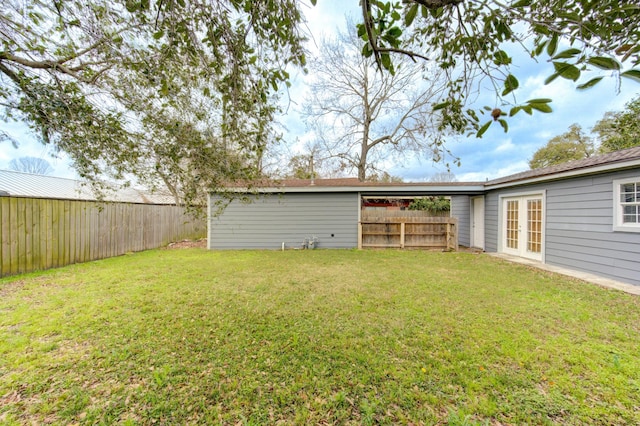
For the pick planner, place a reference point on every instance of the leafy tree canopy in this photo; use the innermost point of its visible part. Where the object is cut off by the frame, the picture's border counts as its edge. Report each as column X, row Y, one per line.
column 616, row 130
column 301, row 167
column 174, row 92
column 433, row 204
column 180, row 92
column 621, row 129
column 472, row 40
column 572, row 145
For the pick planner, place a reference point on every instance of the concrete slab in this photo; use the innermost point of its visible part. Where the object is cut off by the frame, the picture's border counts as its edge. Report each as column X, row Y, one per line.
column 585, row 276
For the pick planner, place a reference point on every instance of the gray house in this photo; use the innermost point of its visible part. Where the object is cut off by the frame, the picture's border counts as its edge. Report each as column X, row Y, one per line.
column 582, row 215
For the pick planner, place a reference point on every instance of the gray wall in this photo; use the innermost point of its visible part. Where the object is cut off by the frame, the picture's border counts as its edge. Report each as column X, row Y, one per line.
column 270, row 220
column 579, row 227
column 461, row 210
column 491, row 222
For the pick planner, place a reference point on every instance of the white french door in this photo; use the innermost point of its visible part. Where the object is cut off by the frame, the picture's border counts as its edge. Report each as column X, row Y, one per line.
column 522, row 226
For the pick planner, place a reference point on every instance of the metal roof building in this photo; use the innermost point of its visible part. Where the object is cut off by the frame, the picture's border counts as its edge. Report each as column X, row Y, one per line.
column 19, row 184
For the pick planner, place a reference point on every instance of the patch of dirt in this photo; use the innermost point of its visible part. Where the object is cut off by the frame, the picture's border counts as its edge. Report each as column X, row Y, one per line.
column 186, row 244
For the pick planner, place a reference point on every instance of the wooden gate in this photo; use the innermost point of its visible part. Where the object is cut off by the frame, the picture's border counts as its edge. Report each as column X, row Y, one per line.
column 406, row 229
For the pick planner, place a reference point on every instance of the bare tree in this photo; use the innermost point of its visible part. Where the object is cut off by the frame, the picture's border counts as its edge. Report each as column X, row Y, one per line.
column 34, row 165
column 361, row 116
column 443, row 177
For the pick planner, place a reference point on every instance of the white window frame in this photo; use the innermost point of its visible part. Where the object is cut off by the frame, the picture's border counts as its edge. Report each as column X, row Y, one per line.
column 618, row 224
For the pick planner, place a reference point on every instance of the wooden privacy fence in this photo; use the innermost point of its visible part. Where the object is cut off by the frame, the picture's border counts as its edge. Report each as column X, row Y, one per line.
column 407, row 229
column 41, row 233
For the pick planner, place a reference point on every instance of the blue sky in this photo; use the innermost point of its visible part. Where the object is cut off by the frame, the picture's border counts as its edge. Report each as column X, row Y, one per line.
column 496, row 154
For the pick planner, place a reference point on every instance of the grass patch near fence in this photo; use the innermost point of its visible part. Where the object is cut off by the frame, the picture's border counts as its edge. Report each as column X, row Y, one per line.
column 315, row 337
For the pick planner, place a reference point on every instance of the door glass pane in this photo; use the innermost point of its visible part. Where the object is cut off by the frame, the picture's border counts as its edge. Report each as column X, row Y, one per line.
column 512, row 224
column 534, row 226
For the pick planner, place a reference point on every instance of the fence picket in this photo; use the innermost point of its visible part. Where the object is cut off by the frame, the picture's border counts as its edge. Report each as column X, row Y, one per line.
column 407, row 229
column 40, row 233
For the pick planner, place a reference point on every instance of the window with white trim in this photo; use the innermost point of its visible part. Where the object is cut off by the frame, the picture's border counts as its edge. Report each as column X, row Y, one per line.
column 626, row 205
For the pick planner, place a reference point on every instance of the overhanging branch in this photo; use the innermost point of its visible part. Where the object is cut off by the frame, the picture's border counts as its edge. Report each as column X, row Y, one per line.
column 47, row 65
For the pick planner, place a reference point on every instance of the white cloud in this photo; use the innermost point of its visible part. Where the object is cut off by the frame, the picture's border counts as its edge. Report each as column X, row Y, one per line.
column 506, row 146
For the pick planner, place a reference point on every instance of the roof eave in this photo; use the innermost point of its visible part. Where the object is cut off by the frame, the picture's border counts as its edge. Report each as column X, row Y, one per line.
column 610, row 167
column 448, row 189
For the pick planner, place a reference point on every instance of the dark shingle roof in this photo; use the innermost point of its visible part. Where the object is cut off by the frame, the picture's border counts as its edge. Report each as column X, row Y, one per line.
column 622, row 156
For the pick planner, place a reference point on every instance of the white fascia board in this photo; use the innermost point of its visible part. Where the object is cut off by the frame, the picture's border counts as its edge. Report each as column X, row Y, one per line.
column 453, row 189
column 569, row 174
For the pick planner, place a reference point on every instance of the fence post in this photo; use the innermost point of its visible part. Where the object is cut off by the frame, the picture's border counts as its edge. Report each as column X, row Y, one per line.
column 401, row 235
column 359, row 235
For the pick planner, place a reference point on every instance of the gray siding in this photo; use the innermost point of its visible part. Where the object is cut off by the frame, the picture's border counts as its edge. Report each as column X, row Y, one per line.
column 268, row 221
column 579, row 227
column 461, row 210
column 491, row 222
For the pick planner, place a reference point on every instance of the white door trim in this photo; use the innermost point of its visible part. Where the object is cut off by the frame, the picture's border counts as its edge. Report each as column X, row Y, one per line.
column 521, row 197
column 477, row 222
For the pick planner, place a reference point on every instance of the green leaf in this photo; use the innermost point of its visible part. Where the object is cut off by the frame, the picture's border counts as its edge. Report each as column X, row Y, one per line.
column 501, row 58
column 589, row 83
column 314, row 2
column 540, row 104
column 541, row 107
column 521, row 3
column 569, row 53
column 158, row 35
column 632, row 74
column 514, row 111
column 483, row 129
column 551, row 78
column 441, row 105
column 394, row 32
column 538, row 49
column 367, row 51
column 553, row 44
column 411, row 15
column 504, row 124
column 385, row 59
column 604, row 63
column 510, row 84
column 568, row 71
column 131, row 6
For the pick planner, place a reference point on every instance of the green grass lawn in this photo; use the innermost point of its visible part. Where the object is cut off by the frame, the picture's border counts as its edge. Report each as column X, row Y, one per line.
column 315, row 337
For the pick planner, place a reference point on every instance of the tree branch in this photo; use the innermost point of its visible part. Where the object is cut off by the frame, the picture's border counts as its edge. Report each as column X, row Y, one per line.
column 47, row 65
column 434, row 4
column 377, row 50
